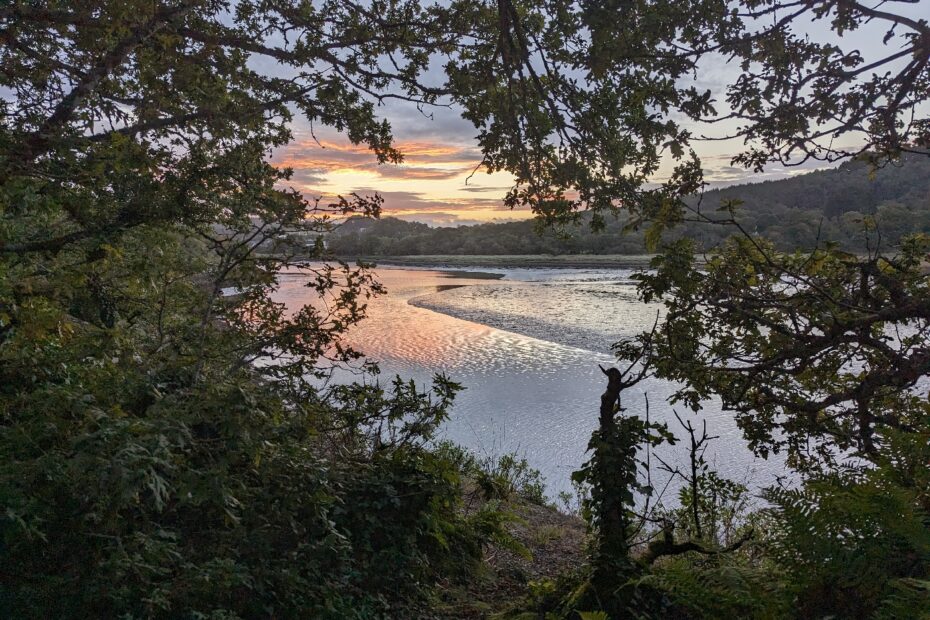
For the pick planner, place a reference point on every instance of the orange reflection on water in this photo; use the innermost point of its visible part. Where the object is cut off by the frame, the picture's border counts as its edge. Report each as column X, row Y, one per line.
column 398, row 332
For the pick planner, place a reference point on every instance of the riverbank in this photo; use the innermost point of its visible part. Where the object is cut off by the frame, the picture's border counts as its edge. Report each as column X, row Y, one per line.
column 546, row 261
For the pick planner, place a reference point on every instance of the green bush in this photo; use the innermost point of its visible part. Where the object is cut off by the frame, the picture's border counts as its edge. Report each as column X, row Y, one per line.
column 194, row 507
column 501, row 477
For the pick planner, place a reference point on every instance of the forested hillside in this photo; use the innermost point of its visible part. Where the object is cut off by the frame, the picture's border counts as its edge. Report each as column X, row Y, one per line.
column 826, row 205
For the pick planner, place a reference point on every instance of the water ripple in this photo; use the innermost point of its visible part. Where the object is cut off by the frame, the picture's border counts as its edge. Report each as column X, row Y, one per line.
column 527, row 351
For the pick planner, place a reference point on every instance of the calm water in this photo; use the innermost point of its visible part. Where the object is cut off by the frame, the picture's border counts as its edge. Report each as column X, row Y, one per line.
column 527, row 349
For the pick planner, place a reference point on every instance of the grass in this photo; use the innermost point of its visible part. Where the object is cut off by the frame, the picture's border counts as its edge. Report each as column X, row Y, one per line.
column 543, row 534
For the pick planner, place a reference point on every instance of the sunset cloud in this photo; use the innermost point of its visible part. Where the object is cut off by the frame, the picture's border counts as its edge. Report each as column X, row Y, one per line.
column 440, row 183
column 420, row 172
column 440, row 180
column 502, row 189
column 331, row 156
column 411, row 201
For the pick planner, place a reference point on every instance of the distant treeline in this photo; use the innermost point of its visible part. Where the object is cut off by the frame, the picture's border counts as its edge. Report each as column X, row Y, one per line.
column 794, row 213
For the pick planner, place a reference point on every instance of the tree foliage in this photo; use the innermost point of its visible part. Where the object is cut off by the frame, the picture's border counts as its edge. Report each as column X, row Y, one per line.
column 815, row 352
column 170, row 445
column 169, row 449
column 819, row 353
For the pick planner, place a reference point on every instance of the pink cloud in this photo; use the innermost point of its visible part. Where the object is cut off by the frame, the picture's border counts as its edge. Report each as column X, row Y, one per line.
column 422, row 160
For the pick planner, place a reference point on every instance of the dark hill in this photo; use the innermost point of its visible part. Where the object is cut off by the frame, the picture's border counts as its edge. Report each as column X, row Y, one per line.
column 795, row 213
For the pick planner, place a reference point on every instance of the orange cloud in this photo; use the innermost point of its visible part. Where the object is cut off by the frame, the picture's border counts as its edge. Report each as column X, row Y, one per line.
column 404, row 171
column 432, row 184
column 421, row 159
column 421, row 151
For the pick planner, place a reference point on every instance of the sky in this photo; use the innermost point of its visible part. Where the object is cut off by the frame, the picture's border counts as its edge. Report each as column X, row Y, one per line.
column 439, row 182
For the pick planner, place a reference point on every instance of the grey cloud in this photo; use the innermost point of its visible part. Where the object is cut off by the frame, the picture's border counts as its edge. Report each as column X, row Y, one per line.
column 439, row 123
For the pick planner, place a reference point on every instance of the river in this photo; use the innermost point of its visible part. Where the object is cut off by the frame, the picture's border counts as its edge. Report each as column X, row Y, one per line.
column 526, row 347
